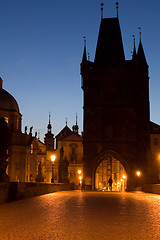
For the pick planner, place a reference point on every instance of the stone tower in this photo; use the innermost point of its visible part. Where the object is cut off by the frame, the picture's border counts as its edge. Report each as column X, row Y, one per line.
column 116, row 105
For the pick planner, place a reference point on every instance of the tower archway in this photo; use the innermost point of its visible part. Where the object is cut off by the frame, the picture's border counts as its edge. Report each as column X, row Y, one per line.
column 109, row 166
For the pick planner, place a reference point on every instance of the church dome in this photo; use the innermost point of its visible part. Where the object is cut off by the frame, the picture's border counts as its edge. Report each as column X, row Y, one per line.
column 7, row 101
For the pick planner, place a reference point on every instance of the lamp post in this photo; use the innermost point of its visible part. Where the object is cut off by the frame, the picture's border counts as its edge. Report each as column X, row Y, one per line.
column 123, row 182
column 80, row 177
column 53, row 158
column 80, row 182
column 138, row 173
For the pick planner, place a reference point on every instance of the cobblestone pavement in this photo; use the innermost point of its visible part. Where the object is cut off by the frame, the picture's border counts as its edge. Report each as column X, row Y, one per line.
column 82, row 216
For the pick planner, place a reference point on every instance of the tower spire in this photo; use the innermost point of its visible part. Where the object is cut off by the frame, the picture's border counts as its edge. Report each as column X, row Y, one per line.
column 49, row 117
column 102, row 4
column 49, row 124
column 140, row 53
column 49, row 136
column 76, row 118
column 84, row 58
column 75, row 127
column 117, row 7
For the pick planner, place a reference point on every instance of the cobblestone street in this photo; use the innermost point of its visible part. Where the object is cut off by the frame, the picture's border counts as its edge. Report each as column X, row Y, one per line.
column 82, row 216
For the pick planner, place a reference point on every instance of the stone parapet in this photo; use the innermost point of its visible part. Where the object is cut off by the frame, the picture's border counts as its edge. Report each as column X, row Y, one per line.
column 152, row 188
column 20, row 190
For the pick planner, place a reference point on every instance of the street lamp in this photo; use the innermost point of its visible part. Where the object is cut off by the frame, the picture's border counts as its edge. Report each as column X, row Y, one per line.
column 123, row 180
column 80, row 177
column 138, row 173
column 80, row 181
column 53, row 158
column 79, row 171
column 124, row 176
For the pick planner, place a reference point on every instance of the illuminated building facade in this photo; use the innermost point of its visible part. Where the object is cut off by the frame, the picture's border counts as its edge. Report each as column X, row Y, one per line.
column 25, row 151
column 72, row 153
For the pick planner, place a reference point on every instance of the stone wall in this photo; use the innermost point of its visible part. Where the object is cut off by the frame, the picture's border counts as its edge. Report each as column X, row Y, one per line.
column 152, row 188
column 19, row 190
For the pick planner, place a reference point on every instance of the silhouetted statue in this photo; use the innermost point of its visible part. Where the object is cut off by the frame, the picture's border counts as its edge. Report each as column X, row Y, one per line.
column 63, row 168
column 4, row 143
column 31, row 128
column 25, row 129
column 39, row 177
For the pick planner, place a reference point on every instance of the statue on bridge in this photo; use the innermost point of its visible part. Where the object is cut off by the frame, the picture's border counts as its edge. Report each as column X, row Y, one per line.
column 39, row 177
column 63, row 168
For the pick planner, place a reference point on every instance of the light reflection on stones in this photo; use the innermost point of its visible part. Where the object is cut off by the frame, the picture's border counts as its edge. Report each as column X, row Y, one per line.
column 82, row 215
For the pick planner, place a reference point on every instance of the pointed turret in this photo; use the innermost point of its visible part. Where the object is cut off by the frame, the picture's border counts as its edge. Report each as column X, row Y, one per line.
column 84, row 58
column 109, row 46
column 140, row 54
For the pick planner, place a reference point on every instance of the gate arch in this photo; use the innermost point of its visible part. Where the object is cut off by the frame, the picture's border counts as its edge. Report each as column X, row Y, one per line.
column 102, row 157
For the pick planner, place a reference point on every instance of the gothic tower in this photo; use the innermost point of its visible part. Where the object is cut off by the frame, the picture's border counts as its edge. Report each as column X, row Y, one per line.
column 116, row 104
column 49, row 137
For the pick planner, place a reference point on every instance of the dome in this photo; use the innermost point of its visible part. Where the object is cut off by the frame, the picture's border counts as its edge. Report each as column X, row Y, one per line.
column 7, row 101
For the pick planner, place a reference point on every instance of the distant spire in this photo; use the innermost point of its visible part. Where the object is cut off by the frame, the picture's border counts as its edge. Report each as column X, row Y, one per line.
column 75, row 127
column 66, row 121
column 102, row 4
column 117, row 7
column 76, row 118
column 49, row 124
column 134, row 48
column 49, row 117
column 1, row 83
column 84, row 58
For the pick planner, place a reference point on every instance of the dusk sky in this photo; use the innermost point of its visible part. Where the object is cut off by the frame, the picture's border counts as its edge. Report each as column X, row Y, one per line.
column 41, row 47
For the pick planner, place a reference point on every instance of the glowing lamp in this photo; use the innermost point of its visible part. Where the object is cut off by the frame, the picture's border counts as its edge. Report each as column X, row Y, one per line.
column 79, row 171
column 80, row 178
column 138, row 173
column 53, row 158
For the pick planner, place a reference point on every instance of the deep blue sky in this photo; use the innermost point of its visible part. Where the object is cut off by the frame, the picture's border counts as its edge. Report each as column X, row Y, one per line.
column 41, row 48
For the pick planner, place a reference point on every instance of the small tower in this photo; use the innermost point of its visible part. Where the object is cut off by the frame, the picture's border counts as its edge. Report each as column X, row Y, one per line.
column 75, row 127
column 49, row 137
